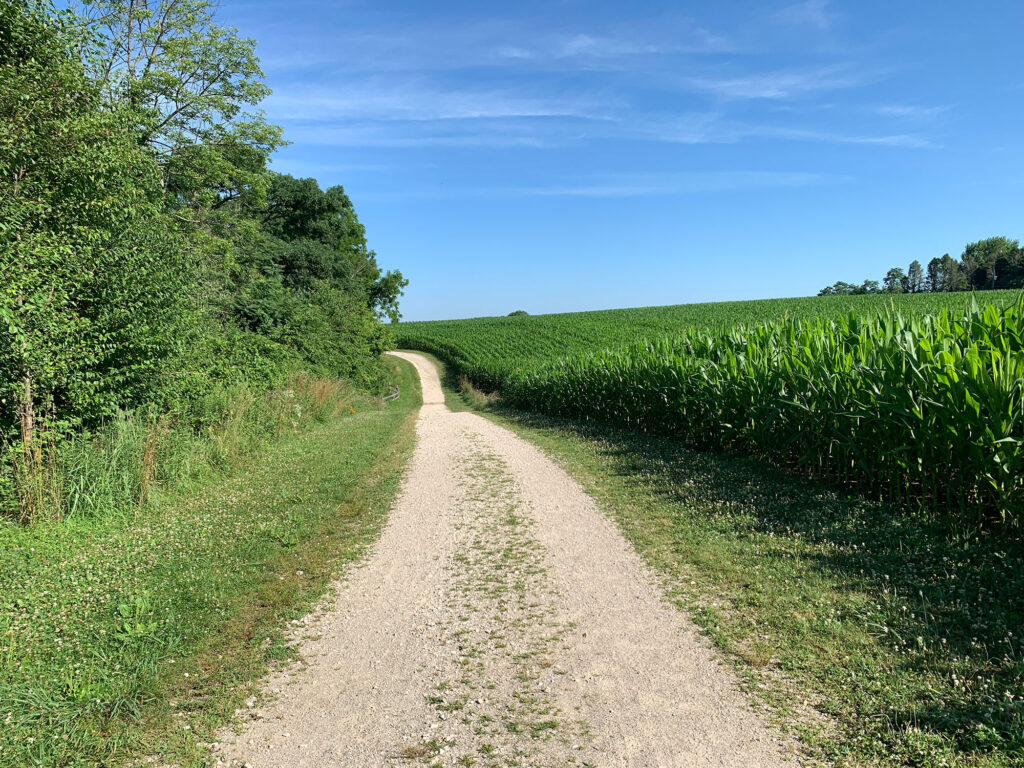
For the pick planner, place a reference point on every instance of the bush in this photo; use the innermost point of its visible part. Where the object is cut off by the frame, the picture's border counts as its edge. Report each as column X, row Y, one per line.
column 113, row 470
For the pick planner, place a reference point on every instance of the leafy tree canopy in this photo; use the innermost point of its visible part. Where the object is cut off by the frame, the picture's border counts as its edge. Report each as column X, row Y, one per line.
column 996, row 262
column 191, row 85
column 320, row 238
column 147, row 255
column 91, row 278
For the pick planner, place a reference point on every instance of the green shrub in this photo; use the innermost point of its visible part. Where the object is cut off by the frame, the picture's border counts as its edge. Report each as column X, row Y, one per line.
column 112, row 470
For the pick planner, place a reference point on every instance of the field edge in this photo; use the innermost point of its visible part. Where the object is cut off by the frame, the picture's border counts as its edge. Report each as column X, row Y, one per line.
column 792, row 697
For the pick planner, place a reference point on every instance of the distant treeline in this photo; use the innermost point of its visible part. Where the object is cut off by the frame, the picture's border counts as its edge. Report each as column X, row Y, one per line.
column 148, row 256
column 995, row 263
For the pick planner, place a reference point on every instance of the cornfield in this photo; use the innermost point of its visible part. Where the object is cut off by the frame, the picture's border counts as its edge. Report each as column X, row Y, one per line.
column 918, row 409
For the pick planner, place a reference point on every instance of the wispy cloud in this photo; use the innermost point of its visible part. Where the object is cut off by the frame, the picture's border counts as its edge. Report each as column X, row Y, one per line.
column 313, row 168
column 584, row 47
column 905, row 140
column 676, row 184
column 541, row 133
column 496, row 44
column 813, row 13
column 505, row 84
column 614, row 186
column 779, row 84
column 713, row 128
column 403, row 136
column 390, row 99
column 913, row 111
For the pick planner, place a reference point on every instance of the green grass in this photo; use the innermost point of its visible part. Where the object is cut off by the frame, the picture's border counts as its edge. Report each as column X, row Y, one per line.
column 127, row 636
column 878, row 637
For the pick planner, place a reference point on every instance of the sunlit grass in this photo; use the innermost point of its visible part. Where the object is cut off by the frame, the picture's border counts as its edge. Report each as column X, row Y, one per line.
column 143, row 632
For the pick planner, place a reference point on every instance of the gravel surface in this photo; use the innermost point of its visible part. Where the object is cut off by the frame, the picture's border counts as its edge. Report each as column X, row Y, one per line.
column 501, row 620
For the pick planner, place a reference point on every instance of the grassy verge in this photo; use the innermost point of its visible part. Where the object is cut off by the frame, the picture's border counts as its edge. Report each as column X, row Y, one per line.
column 875, row 635
column 122, row 638
column 459, row 393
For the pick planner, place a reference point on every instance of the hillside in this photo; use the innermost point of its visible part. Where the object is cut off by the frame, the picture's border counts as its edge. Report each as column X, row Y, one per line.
column 488, row 349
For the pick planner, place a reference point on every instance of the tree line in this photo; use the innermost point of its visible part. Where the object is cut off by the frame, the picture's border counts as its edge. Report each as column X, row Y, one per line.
column 148, row 255
column 994, row 263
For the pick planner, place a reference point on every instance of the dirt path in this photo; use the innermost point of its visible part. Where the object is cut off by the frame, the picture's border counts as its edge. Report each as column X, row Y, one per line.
column 500, row 621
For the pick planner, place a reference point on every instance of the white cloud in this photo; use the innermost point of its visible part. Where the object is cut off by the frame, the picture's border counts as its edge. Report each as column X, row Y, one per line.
column 911, row 111
column 588, row 46
column 489, row 84
column 313, row 168
column 391, row 99
column 812, row 13
column 779, row 84
column 677, row 184
column 905, row 140
column 493, row 44
column 622, row 186
column 541, row 133
column 712, row 128
column 401, row 135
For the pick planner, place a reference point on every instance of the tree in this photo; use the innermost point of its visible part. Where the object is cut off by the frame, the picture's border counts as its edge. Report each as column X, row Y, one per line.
column 326, row 241
column 523, row 312
column 915, row 278
column 189, row 83
column 894, row 281
column 954, row 277
column 934, row 281
column 303, row 277
column 945, row 274
column 839, row 288
column 91, row 278
column 384, row 295
column 992, row 263
column 997, row 262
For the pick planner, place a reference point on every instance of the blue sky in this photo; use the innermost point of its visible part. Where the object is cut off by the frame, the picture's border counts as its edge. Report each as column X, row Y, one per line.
column 567, row 155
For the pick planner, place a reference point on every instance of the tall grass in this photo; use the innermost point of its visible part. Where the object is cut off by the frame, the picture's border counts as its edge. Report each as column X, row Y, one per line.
column 128, row 621
column 924, row 410
column 113, row 470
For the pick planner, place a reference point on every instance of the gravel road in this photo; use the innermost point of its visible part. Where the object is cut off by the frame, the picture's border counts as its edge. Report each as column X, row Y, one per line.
column 501, row 620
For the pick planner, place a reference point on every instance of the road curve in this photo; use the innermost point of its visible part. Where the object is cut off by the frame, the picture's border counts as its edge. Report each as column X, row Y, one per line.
column 500, row 620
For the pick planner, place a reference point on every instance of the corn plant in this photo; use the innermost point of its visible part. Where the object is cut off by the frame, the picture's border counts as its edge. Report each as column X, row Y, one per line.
column 917, row 402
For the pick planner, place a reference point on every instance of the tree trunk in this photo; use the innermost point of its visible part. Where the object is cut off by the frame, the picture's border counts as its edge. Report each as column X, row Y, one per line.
column 31, row 464
column 28, row 417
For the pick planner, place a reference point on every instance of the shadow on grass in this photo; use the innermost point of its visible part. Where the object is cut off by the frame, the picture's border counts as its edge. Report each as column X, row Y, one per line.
column 906, row 630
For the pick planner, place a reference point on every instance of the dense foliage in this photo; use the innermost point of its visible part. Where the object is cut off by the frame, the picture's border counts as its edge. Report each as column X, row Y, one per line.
column 148, row 257
column 905, row 405
column 92, row 278
column 996, row 263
